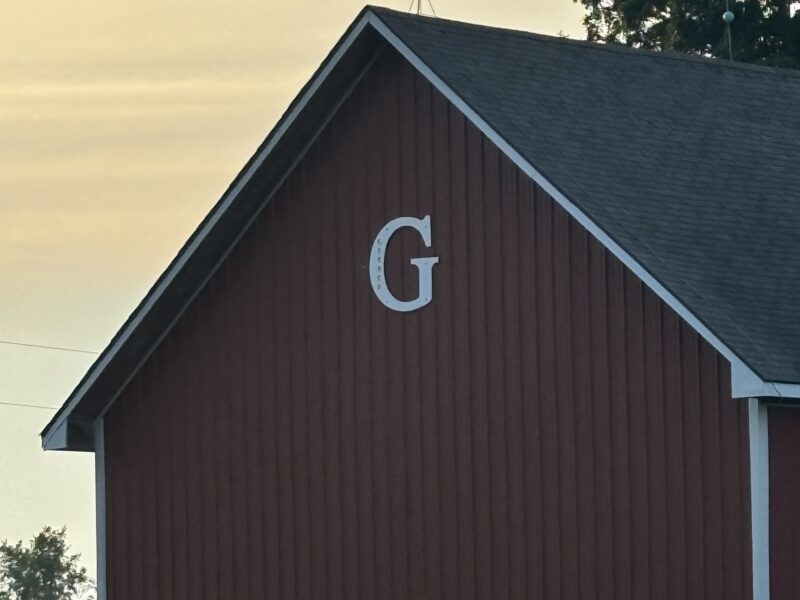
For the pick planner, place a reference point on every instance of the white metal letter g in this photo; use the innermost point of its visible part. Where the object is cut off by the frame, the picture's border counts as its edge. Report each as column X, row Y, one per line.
column 377, row 270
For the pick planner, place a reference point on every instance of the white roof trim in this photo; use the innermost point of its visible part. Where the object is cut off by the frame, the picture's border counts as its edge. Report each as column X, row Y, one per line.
column 57, row 440
column 744, row 381
column 746, row 384
column 783, row 390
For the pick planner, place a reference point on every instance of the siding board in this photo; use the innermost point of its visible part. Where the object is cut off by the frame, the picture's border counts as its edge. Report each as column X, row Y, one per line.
column 637, row 442
column 194, row 453
column 363, row 372
column 584, row 410
column 429, row 408
column 396, row 337
column 252, row 434
column 516, row 469
column 620, row 446
column 445, row 369
column 547, row 427
column 565, row 451
column 530, row 416
column 547, row 400
column 316, row 417
column 136, row 517
column 240, row 493
column 784, row 495
column 461, row 354
column 676, row 518
column 711, row 462
column 380, row 354
column 602, row 457
column 165, row 485
column 693, row 476
column 656, row 450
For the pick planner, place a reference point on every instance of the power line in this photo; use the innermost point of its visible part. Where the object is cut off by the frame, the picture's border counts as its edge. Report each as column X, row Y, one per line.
column 43, row 347
column 40, row 347
column 28, row 405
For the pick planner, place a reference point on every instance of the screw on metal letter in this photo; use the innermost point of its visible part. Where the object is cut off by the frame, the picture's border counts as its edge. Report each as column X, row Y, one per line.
column 424, row 265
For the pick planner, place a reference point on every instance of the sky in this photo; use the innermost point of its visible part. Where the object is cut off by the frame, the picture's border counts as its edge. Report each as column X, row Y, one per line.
column 121, row 124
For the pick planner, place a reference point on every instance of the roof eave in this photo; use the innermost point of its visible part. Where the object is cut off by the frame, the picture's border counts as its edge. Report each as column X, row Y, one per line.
column 72, row 434
column 746, row 384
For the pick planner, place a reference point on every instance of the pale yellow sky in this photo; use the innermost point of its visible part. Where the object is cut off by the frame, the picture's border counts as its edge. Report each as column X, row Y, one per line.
column 121, row 123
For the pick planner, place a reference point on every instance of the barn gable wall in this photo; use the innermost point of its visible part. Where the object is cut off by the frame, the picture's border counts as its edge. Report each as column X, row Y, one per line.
column 546, row 427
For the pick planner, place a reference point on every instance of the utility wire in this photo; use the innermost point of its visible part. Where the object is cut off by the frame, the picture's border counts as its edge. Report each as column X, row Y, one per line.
column 28, row 405
column 41, row 346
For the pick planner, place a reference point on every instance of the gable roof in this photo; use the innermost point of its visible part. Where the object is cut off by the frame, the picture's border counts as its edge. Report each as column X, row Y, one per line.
column 683, row 167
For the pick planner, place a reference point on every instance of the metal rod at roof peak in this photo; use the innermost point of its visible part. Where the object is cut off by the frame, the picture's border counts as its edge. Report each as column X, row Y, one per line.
column 728, row 17
column 419, row 7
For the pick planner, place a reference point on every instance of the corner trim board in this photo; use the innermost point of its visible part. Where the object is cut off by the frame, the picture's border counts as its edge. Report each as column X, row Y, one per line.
column 100, row 505
column 759, row 496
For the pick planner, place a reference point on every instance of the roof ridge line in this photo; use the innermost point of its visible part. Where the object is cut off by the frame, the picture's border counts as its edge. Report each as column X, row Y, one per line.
column 601, row 46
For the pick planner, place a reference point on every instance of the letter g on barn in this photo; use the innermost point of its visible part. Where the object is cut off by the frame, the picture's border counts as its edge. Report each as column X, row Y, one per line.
column 377, row 270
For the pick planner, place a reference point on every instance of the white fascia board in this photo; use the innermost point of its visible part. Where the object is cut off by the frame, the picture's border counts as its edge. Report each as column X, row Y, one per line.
column 57, row 440
column 785, row 390
column 230, row 197
column 759, row 497
column 743, row 379
column 746, row 384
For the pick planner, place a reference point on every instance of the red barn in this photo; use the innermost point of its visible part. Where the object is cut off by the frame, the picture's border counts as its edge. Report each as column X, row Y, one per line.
column 488, row 315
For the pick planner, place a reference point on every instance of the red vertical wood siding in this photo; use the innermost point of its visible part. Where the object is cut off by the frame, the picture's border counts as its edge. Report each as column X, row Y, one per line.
column 545, row 428
column 784, row 499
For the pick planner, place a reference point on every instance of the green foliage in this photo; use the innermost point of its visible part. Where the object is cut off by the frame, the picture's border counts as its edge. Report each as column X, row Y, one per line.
column 763, row 31
column 42, row 570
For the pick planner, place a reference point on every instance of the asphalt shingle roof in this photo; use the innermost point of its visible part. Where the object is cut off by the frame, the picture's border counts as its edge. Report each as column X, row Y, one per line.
column 692, row 165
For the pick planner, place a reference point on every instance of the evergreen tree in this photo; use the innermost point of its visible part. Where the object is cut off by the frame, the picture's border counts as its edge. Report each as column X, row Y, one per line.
column 763, row 31
column 42, row 570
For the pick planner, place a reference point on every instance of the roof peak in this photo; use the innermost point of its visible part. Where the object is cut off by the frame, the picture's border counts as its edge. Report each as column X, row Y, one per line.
column 596, row 46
